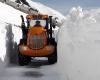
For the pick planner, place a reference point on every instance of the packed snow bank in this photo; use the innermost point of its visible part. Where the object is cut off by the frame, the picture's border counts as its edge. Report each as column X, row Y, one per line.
column 9, row 38
column 79, row 45
column 9, row 14
column 2, row 41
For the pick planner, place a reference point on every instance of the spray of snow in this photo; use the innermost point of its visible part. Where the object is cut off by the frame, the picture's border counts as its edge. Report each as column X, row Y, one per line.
column 79, row 45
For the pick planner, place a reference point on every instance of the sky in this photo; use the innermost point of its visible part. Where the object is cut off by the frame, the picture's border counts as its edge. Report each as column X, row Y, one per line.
column 64, row 6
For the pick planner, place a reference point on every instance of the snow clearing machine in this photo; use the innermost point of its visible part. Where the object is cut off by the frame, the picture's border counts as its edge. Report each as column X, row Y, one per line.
column 37, row 40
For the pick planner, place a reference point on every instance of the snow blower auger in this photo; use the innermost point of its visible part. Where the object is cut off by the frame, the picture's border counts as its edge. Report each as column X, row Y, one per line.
column 37, row 40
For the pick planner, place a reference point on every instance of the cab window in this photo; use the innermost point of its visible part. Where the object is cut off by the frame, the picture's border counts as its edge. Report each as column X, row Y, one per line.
column 38, row 22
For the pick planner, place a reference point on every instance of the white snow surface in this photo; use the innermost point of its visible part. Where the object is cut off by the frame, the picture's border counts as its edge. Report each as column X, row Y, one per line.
column 10, row 15
column 79, row 45
column 2, row 41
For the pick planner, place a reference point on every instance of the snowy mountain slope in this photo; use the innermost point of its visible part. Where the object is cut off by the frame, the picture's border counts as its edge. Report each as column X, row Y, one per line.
column 79, row 45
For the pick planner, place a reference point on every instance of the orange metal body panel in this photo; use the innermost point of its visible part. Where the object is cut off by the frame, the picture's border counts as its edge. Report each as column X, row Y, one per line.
column 47, row 50
column 37, row 31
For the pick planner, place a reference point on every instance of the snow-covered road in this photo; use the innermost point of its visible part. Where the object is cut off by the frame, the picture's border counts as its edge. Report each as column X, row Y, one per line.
column 37, row 70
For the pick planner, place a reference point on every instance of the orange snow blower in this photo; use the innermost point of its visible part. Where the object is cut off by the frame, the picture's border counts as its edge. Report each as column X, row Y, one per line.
column 37, row 40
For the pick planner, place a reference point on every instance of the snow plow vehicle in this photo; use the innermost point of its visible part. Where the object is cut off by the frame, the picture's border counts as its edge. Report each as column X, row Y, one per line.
column 37, row 40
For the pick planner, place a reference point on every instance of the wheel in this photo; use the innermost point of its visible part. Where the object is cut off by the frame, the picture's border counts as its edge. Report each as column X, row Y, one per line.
column 23, row 60
column 53, row 58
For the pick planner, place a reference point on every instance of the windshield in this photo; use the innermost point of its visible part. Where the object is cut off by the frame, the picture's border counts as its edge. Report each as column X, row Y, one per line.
column 38, row 22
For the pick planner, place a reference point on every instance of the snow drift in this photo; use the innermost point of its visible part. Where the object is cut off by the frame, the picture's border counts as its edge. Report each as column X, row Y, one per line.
column 79, row 45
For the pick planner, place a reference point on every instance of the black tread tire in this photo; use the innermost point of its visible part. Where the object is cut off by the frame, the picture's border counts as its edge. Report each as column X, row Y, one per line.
column 23, row 60
column 53, row 58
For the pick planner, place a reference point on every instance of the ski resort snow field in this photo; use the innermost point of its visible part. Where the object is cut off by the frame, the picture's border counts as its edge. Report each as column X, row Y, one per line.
column 79, row 45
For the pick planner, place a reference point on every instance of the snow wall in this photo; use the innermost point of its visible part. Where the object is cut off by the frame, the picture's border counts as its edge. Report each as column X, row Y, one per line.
column 79, row 45
column 10, row 33
column 9, row 38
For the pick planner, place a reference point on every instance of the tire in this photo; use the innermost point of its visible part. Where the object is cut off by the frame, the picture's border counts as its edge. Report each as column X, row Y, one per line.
column 53, row 58
column 23, row 60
